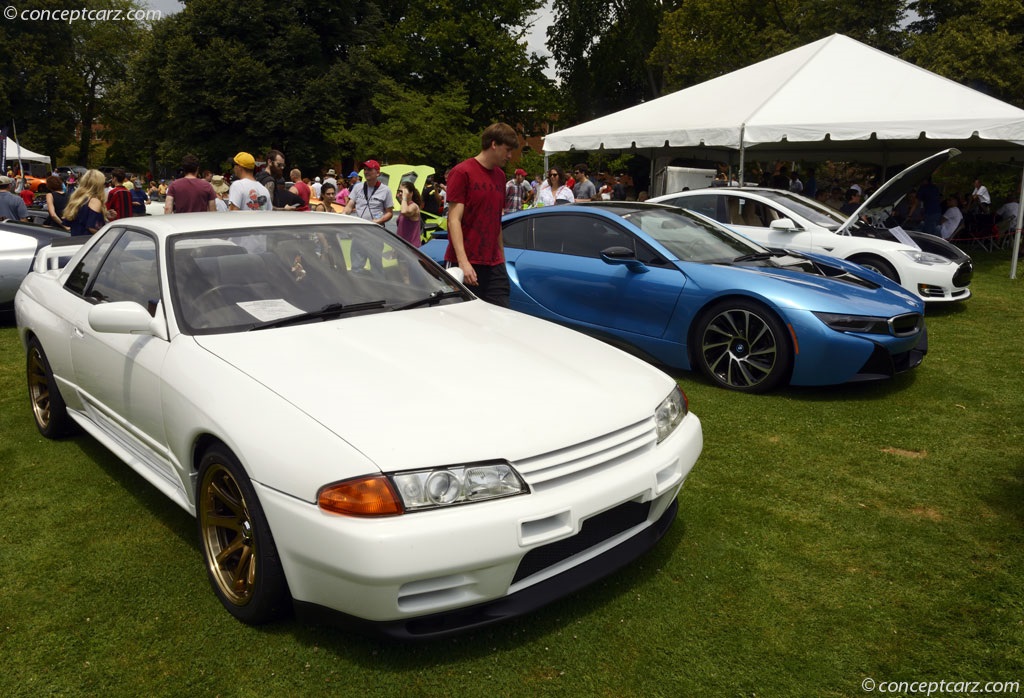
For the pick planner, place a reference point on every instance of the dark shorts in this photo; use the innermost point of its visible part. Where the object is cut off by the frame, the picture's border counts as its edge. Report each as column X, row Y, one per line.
column 492, row 284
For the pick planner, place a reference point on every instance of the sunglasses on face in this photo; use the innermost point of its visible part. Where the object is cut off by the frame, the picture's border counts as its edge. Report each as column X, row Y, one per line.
column 553, row 174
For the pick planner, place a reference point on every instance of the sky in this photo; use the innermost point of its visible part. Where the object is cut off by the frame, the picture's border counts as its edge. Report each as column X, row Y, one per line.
column 534, row 42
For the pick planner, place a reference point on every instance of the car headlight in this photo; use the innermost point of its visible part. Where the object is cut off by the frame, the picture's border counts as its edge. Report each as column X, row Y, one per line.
column 928, row 258
column 670, row 413
column 416, row 490
column 864, row 324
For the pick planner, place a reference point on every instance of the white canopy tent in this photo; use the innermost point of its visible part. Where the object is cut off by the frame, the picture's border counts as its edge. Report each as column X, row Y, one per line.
column 836, row 97
column 16, row 152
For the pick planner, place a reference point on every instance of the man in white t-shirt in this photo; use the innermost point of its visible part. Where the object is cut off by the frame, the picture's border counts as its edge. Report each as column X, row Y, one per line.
column 246, row 194
column 980, row 199
column 951, row 218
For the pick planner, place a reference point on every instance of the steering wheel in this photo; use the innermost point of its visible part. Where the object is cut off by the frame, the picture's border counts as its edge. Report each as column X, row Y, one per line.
column 216, row 289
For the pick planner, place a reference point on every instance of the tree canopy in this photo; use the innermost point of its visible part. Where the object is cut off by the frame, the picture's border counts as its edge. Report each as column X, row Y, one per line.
column 328, row 82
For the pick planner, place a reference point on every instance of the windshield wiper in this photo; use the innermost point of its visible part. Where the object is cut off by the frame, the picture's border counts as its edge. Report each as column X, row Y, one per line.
column 754, row 257
column 331, row 310
column 435, row 297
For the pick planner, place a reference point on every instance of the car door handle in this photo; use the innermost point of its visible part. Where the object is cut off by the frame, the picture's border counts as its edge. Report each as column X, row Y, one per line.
column 77, row 333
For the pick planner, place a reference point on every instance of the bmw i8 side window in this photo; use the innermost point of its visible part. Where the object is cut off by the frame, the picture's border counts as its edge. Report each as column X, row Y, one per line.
column 514, row 234
column 582, row 236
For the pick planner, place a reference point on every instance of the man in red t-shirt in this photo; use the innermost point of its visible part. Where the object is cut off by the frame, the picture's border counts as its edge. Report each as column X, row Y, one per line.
column 190, row 194
column 476, row 194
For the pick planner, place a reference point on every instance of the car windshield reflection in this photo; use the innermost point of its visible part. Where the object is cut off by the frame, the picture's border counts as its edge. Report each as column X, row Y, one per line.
column 691, row 238
column 233, row 281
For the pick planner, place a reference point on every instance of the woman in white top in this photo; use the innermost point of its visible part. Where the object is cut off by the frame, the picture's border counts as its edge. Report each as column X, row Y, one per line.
column 553, row 191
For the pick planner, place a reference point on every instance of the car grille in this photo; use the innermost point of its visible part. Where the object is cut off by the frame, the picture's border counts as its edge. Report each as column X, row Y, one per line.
column 905, row 325
column 594, row 531
column 963, row 275
column 567, row 464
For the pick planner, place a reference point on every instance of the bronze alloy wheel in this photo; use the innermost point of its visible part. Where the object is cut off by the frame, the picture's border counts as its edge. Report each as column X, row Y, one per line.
column 39, row 386
column 48, row 408
column 241, row 558
column 227, row 535
column 743, row 347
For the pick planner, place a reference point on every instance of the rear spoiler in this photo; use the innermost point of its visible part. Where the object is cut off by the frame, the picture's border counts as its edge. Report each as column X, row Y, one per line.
column 58, row 253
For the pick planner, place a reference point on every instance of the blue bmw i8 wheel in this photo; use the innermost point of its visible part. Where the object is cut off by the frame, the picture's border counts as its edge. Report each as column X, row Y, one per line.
column 742, row 346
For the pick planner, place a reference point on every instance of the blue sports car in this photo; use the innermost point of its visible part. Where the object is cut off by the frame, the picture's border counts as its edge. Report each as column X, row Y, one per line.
column 682, row 290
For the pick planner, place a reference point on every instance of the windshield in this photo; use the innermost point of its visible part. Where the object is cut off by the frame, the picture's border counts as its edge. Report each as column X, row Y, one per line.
column 236, row 280
column 816, row 213
column 689, row 237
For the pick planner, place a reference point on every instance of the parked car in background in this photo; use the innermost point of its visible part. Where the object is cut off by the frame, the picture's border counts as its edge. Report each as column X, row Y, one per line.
column 687, row 292
column 237, row 364
column 926, row 265
column 19, row 243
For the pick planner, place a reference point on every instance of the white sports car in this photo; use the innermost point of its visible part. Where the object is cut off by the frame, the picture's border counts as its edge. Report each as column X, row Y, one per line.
column 926, row 265
column 237, row 363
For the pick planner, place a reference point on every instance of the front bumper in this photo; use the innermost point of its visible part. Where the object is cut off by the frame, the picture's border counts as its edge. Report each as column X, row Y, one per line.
column 407, row 574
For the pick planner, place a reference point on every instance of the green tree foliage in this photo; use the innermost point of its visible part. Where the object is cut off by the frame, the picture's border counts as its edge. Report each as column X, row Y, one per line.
column 478, row 46
column 322, row 80
column 703, row 39
column 411, row 127
column 975, row 42
column 38, row 92
column 601, row 50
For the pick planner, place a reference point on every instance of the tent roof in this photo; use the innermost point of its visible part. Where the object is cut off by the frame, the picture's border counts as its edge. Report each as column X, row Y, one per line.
column 836, row 88
column 25, row 153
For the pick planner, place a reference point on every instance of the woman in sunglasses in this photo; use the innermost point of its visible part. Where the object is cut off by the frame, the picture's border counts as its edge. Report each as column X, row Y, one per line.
column 552, row 191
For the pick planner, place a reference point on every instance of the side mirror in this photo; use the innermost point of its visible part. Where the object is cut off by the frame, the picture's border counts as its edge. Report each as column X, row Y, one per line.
column 624, row 256
column 783, row 224
column 125, row 317
column 457, row 274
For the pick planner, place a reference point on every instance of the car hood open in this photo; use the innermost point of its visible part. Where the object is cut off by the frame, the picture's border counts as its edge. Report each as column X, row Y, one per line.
column 469, row 380
column 890, row 193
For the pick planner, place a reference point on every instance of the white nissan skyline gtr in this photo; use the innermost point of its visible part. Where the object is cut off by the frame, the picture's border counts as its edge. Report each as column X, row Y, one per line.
column 238, row 364
column 926, row 265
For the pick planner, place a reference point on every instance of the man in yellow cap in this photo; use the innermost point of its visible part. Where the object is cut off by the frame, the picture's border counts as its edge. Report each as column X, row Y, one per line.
column 246, row 194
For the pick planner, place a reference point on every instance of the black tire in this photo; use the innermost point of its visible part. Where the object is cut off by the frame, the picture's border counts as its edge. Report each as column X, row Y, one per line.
column 48, row 408
column 741, row 345
column 241, row 558
column 877, row 264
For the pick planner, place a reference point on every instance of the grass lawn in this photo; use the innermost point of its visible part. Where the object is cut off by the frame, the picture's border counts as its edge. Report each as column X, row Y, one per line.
column 826, row 536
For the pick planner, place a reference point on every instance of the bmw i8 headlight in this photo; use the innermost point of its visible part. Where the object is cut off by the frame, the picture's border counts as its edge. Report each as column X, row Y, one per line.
column 415, row 490
column 928, row 258
column 865, row 324
column 670, row 413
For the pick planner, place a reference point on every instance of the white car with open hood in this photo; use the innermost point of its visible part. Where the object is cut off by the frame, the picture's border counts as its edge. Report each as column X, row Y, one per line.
column 374, row 445
column 926, row 265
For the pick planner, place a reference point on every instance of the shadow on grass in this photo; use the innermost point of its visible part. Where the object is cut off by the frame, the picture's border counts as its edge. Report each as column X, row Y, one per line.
column 399, row 657
column 149, row 497
column 865, row 391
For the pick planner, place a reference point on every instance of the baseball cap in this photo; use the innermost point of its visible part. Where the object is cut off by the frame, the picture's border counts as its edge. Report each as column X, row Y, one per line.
column 371, row 165
column 5, row 181
column 352, row 174
column 245, row 160
column 521, row 171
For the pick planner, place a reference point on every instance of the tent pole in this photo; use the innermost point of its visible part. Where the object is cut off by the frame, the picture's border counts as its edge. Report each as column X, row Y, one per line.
column 742, row 154
column 1016, row 235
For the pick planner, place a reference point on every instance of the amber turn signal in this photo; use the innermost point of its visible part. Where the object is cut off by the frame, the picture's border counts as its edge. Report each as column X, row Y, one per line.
column 364, row 496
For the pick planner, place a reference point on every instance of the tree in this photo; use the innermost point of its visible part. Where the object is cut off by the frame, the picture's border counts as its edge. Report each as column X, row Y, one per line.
column 99, row 47
column 703, row 39
column 975, row 42
column 602, row 50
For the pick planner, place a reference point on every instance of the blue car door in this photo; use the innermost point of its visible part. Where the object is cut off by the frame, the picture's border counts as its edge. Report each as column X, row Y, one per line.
column 563, row 277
